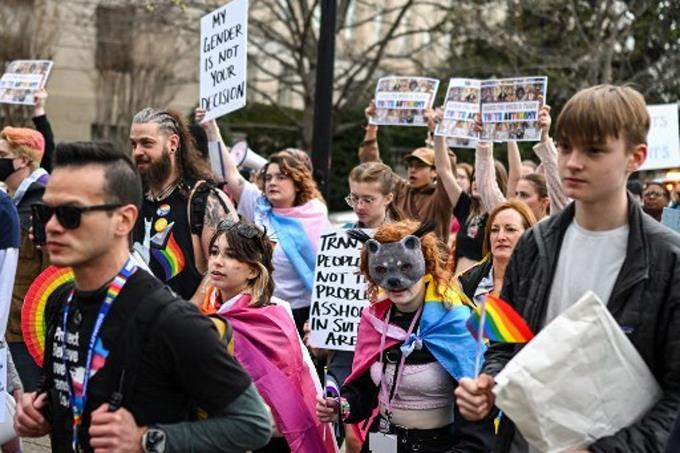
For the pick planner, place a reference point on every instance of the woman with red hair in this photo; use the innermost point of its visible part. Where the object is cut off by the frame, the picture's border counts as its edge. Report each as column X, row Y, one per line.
column 21, row 150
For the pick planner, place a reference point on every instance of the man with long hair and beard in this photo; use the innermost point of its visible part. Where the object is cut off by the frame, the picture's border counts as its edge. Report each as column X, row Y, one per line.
column 181, row 206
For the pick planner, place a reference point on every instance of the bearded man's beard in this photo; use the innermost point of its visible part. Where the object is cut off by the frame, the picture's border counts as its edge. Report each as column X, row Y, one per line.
column 157, row 171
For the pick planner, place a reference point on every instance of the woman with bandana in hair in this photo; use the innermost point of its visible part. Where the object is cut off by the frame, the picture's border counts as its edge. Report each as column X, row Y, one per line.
column 412, row 349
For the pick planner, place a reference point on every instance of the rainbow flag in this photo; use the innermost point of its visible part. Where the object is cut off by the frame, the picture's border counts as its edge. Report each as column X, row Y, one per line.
column 170, row 258
column 502, row 324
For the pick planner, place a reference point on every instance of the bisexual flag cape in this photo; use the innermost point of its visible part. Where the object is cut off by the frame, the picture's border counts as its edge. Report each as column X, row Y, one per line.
column 298, row 230
column 442, row 329
column 267, row 345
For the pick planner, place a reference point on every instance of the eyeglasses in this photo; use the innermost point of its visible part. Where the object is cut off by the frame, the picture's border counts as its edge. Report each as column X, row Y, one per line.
column 243, row 229
column 280, row 177
column 653, row 194
column 68, row 216
column 353, row 201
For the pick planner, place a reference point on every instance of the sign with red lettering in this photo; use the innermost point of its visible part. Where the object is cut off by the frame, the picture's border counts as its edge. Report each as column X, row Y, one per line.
column 224, row 45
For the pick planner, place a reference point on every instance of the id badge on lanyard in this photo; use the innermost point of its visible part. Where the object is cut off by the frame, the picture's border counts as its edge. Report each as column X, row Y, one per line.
column 382, row 443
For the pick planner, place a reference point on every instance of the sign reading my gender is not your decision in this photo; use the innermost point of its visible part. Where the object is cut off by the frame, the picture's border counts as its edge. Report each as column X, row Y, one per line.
column 223, row 63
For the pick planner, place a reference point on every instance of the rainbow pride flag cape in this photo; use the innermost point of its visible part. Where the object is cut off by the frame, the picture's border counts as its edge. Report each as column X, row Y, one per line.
column 502, row 324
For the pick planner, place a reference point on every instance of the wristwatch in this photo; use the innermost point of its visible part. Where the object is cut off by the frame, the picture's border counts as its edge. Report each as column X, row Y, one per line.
column 153, row 440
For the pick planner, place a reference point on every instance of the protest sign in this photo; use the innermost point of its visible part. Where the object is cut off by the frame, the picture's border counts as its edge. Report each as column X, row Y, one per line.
column 663, row 140
column 671, row 218
column 507, row 108
column 21, row 79
column 224, row 40
column 401, row 101
column 339, row 293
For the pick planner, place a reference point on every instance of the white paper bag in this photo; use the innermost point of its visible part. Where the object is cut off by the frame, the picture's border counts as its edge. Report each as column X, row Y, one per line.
column 578, row 380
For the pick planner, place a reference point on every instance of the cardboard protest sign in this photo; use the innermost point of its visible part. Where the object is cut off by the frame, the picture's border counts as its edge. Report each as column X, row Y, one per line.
column 508, row 108
column 339, row 294
column 21, row 79
column 224, row 42
column 663, row 139
column 401, row 101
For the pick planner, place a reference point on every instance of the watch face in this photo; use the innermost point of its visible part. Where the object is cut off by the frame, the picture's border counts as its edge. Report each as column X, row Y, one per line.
column 154, row 441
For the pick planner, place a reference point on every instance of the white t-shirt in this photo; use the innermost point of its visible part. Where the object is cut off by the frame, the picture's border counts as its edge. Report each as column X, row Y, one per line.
column 589, row 260
column 289, row 286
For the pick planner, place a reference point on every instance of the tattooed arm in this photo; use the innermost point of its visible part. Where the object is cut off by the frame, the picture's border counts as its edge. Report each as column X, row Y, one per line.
column 214, row 212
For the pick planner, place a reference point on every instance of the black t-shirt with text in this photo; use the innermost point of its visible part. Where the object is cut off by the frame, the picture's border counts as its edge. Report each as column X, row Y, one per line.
column 163, row 238
column 183, row 363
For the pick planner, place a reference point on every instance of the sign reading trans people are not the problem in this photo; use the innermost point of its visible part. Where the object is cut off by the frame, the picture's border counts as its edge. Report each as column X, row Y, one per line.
column 224, row 41
column 339, row 293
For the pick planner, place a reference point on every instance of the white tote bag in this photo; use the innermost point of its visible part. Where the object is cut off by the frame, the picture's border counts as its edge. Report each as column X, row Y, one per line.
column 578, row 380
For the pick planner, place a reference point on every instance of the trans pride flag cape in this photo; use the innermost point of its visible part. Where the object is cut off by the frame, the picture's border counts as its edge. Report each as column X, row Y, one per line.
column 298, row 230
column 267, row 344
column 442, row 329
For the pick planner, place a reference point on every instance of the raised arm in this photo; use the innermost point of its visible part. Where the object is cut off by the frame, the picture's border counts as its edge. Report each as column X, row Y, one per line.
column 442, row 163
column 547, row 152
column 231, row 174
column 514, row 168
column 490, row 194
column 43, row 126
column 368, row 149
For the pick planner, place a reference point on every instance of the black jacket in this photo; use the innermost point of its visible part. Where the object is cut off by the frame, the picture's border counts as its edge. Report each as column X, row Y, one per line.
column 646, row 296
column 471, row 278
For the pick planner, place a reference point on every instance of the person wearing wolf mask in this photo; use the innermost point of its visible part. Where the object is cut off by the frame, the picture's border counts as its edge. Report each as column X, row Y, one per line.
column 412, row 349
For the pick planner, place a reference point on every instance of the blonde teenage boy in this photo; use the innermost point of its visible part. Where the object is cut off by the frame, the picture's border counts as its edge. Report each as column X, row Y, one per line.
column 602, row 242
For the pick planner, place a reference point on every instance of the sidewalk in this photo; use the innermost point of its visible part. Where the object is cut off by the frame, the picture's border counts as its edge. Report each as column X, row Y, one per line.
column 39, row 445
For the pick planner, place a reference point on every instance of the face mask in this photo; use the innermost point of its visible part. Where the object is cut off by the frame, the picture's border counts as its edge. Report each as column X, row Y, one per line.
column 6, row 168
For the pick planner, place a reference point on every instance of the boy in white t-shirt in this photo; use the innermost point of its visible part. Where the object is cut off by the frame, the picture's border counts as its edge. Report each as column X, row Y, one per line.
column 603, row 242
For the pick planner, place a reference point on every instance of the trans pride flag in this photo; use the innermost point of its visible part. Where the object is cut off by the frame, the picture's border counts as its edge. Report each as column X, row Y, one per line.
column 298, row 230
column 442, row 330
column 268, row 346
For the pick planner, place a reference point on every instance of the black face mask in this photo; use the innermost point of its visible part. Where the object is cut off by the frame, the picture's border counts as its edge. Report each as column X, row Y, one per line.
column 6, row 168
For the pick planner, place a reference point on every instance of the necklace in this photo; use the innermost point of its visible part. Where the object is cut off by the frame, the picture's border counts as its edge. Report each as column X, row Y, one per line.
column 164, row 193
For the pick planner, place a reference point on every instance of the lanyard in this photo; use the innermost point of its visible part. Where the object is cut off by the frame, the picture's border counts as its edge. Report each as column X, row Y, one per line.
column 76, row 398
column 399, row 370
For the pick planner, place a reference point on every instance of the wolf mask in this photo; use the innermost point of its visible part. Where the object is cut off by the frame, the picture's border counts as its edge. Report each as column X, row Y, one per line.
column 395, row 265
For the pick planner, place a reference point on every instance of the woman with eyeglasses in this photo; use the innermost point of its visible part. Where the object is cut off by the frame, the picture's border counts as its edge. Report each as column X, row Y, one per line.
column 265, row 340
column 655, row 197
column 371, row 192
column 371, row 187
column 291, row 209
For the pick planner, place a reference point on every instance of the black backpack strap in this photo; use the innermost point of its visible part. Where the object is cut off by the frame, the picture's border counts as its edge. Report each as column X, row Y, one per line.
column 142, row 320
column 198, row 201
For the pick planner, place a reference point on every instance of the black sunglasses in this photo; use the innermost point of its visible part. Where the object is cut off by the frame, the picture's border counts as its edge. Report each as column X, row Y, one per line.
column 243, row 229
column 68, row 216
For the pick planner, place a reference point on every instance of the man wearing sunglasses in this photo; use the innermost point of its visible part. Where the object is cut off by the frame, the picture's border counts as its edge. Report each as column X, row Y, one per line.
column 181, row 205
column 98, row 391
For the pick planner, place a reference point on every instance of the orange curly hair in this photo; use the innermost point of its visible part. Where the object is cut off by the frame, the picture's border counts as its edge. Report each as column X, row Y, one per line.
column 429, row 244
